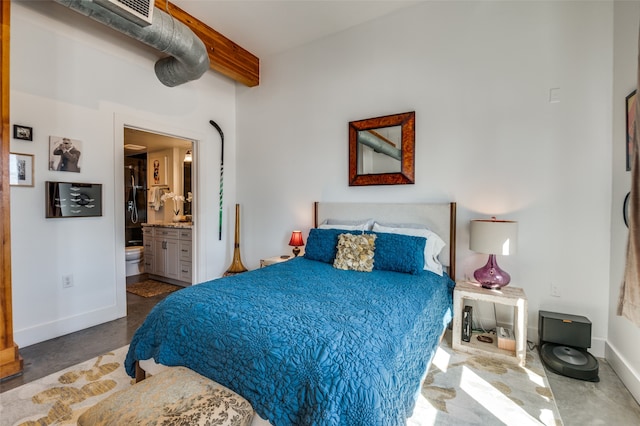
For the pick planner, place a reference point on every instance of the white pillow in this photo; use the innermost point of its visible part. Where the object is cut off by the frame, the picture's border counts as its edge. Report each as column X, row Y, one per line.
column 347, row 225
column 432, row 249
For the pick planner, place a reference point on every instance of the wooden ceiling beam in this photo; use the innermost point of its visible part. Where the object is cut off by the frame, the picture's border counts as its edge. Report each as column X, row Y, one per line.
column 225, row 56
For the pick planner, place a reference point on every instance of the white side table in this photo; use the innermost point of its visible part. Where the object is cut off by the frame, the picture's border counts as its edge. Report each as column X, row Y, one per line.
column 510, row 296
column 275, row 259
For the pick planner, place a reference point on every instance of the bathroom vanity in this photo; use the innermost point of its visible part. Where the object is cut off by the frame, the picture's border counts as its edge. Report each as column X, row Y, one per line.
column 167, row 252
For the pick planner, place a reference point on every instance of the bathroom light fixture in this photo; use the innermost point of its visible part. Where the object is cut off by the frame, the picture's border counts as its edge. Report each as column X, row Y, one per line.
column 296, row 241
column 493, row 237
column 188, row 157
column 134, row 147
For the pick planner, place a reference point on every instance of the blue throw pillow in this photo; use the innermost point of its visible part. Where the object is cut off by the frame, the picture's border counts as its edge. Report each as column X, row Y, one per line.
column 322, row 243
column 399, row 253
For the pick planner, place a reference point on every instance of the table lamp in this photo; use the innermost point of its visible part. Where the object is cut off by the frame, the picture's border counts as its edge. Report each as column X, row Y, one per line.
column 296, row 241
column 493, row 237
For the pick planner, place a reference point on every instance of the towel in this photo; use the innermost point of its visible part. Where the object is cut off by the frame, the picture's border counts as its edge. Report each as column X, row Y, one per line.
column 154, row 198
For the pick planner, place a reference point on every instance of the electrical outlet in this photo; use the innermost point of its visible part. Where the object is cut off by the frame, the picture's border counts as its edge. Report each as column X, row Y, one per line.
column 67, row 281
column 555, row 291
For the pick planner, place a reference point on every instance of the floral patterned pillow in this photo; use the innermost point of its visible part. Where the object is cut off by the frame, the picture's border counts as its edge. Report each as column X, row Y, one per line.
column 355, row 252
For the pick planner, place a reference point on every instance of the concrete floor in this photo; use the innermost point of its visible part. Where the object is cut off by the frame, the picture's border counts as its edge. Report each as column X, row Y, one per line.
column 53, row 355
column 607, row 402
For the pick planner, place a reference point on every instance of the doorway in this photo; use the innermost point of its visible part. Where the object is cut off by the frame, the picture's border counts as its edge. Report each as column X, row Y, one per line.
column 154, row 164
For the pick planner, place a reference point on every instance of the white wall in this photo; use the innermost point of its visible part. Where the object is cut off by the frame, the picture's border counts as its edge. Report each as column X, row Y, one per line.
column 73, row 77
column 478, row 75
column 623, row 336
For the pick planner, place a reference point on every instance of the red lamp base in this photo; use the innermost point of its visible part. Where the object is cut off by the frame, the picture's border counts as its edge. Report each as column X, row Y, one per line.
column 491, row 276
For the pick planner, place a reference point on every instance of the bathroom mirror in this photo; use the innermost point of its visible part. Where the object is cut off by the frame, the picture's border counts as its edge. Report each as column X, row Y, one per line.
column 381, row 150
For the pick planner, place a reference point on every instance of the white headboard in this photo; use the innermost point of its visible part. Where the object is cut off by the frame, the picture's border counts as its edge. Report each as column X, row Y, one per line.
column 439, row 217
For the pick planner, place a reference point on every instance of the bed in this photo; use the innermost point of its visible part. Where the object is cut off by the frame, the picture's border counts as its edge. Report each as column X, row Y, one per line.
column 310, row 344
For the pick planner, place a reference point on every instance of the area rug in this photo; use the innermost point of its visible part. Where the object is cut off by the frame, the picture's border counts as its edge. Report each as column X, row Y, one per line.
column 460, row 389
column 60, row 398
column 465, row 389
column 150, row 288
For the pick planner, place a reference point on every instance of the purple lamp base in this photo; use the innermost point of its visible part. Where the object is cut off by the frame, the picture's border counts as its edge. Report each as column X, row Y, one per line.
column 491, row 276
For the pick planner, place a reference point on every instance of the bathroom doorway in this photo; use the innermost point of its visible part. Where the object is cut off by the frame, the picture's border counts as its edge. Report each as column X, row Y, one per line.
column 153, row 164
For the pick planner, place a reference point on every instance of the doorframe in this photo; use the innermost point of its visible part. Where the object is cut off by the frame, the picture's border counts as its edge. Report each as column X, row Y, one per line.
column 162, row 128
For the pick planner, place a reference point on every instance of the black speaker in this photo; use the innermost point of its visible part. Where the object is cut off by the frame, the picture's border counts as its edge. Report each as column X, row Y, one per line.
column 466, row 323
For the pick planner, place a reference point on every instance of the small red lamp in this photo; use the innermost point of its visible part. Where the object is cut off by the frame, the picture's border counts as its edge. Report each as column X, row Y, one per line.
column 296, row 241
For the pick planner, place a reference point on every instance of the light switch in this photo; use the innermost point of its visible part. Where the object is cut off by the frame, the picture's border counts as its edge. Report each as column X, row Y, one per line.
column 554, row 95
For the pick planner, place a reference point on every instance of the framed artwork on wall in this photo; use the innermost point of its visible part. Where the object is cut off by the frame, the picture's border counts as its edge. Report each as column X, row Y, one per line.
column 64, row 154
column 158, row 169
column 73, row 199
column 20, row 169
column 22, row 132
column 631, row 125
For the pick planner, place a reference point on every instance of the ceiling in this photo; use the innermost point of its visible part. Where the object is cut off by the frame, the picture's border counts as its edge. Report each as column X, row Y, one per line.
column 268, row 27
column 150, row 142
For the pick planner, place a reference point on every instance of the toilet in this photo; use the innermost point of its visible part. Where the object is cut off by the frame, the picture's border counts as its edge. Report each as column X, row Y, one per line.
column 133, row 256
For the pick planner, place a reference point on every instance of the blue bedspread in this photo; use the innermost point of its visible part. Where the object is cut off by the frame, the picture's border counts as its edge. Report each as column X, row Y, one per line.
column 305, row 343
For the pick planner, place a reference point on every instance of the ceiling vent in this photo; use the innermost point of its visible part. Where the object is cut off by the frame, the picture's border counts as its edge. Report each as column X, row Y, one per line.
column 137, row 11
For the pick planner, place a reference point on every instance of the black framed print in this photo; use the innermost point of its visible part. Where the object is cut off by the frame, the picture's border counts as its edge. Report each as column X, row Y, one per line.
column 73, row 199
column 22, row 132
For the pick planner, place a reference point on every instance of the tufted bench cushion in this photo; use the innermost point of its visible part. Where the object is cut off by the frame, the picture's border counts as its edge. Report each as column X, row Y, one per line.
column 176, row 396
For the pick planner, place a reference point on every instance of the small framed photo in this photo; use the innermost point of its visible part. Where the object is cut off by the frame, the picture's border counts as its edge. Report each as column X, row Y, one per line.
column 20, row 169
column 22, row 132
column 631, row 125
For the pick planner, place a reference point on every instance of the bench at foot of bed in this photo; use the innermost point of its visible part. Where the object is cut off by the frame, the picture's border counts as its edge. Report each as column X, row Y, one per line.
column 174, row 394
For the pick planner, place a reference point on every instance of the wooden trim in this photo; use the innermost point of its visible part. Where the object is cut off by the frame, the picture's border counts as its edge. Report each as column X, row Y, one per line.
column 140, row 373
column 10, row 359
column 225, row 56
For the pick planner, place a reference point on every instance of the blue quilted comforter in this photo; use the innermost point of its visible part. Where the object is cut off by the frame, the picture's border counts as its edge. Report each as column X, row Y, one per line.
column 305, row 343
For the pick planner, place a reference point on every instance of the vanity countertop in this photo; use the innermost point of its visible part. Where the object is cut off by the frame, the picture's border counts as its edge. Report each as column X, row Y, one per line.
column 188, row 225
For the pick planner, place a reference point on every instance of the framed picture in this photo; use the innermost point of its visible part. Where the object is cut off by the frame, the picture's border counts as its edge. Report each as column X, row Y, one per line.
column 20, row 169
column 631, row 125
column 73, row 199
column 22, row 132
column 64, row 154
column 158, row 169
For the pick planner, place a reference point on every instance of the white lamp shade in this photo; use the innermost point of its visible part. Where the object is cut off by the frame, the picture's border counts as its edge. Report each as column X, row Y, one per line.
column 494, row 236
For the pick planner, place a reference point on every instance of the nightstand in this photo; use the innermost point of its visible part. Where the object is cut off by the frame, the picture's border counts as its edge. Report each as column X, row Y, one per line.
column 510, row 296
column 273, row 260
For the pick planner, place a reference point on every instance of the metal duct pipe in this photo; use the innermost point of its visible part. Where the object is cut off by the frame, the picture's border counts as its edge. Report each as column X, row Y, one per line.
column 188, row 60
column 378, row 145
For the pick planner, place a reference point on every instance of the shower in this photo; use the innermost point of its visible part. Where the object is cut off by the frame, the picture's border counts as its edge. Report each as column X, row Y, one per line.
column 135, row 171
column 132, row 208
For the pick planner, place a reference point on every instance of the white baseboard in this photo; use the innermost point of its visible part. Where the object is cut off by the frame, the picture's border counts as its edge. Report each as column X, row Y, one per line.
column 629, row 377
column 41, row 332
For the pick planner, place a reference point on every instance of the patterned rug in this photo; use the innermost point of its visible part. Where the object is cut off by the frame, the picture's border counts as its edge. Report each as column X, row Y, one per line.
column 60, row 398
column 465, row 389
column 150, row 288
column 460, row 389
